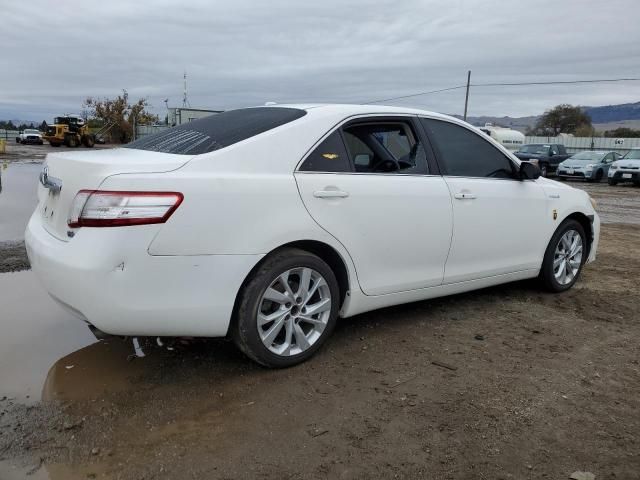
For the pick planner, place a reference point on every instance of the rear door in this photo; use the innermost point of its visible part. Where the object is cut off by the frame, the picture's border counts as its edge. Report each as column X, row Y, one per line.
column 369, row 184
column 500, row 222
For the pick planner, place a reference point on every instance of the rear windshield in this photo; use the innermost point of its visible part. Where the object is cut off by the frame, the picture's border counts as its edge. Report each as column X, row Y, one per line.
column 217, row 131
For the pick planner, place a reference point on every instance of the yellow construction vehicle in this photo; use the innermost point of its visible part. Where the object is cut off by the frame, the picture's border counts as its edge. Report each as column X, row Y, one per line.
column 70, row 130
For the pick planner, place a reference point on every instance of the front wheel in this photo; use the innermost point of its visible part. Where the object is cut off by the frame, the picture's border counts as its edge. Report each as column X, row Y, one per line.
column 599, row 175
column 287, row 309
column 564, row 257
column 611, row 181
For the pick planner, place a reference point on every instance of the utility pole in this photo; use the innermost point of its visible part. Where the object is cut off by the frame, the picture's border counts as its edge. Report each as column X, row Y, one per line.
column 185, row 102
column 466, row 99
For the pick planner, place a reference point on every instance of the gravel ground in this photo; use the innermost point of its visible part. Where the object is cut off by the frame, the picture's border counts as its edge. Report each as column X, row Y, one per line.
column 13, row 257
column 507, row 382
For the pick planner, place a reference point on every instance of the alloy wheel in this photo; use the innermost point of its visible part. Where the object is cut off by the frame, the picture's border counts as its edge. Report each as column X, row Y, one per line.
column 294, row 311
column 567, row 258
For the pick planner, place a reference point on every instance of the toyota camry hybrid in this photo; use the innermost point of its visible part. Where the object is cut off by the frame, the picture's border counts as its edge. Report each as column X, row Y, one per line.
column 266, row 224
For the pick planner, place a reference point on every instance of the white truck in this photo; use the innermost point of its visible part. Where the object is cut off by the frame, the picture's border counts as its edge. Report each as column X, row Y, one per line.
column 509, row 138
column 30, row 135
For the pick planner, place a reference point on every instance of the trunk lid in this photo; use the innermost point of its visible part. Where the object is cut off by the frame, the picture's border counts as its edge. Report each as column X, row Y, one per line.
column 86, row 170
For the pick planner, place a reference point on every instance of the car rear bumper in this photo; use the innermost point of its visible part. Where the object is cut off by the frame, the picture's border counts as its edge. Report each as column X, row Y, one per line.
column 107, row 277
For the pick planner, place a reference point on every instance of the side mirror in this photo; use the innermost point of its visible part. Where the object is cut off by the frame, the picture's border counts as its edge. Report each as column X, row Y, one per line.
column 529, row 171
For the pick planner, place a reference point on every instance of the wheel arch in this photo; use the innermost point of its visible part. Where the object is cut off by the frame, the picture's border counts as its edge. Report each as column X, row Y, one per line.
column 587, row 225
column 321, row 249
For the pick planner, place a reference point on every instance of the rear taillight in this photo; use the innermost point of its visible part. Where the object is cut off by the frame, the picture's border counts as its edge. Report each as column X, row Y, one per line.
column 98, row 208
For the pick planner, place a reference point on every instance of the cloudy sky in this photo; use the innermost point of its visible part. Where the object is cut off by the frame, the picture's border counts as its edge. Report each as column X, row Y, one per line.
column 239, row 53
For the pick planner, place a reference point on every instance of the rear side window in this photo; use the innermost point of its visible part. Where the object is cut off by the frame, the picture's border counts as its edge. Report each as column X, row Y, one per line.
column 329, row 156
column 463, row 153
column 217, row 131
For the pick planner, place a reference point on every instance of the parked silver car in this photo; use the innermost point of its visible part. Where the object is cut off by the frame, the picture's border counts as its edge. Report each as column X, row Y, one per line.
column 627, row 169
column 592, row 165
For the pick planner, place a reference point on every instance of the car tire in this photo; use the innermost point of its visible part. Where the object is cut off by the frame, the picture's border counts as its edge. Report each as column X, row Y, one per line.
column 561, row 266
column 599, row 175
column 544, row 170
column 562, row 179
column 612, row 182
column 285, row 339
column 87, row 141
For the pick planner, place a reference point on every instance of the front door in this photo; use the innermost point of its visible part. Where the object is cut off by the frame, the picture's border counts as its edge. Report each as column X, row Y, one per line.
column 368, row 184
column 500, row 222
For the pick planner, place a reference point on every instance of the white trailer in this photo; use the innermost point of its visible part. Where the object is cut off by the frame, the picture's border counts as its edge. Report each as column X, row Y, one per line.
column 509, row 138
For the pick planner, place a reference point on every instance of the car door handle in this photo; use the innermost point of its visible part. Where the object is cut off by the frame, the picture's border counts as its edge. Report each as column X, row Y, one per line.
column 464, row 196
column 330, row 194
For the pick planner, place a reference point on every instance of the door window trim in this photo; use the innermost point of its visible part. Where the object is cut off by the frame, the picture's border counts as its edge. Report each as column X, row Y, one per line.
column 440, row 162
column 432, row 166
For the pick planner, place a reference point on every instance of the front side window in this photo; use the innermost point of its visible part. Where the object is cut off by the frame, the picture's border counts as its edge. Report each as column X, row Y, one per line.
column 385, row 147
column 463, row 153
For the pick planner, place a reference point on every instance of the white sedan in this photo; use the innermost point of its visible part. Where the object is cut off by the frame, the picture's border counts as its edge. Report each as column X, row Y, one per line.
column 266, row 224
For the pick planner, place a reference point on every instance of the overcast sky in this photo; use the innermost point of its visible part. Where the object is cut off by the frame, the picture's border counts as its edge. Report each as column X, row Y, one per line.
column 239, row 53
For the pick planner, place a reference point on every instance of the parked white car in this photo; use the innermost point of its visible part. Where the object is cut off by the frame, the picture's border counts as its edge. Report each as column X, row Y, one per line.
column 627, row 169
column 268, row 223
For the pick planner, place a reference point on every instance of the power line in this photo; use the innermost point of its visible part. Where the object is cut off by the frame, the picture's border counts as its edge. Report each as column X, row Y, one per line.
column 414, row 95
column 556, row 82
column 506, row 84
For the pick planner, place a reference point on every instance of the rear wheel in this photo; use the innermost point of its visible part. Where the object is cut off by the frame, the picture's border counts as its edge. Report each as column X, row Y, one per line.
column 544, row 169
column 287, row 309
column 564, row 257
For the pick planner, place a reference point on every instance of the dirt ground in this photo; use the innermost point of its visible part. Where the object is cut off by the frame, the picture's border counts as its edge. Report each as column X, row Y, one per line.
column 504, row 383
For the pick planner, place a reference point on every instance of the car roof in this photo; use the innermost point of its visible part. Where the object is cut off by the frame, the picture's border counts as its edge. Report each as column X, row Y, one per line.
column 357, row 109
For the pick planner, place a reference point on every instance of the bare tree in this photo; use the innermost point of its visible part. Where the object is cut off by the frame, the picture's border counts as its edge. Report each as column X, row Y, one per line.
column 119, row 112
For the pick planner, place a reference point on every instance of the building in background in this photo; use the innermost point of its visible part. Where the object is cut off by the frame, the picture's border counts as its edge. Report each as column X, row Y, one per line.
column 179, row 115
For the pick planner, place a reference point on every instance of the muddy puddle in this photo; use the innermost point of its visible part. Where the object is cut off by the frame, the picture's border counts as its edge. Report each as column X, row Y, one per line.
column 36, row 333
column 18, row 197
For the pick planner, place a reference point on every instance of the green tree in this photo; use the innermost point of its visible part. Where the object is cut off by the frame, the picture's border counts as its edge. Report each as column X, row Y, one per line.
column 7, row 125
column 119, row 113
column 562, row 119
column 585, row 131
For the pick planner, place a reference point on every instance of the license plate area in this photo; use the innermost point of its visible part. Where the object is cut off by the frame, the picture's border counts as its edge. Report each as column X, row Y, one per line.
column 626, row 175
column 570, row 171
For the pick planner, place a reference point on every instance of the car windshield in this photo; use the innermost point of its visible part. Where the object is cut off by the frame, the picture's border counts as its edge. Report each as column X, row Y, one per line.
column 30, row 130
column 535, row 148
column 588, row 156
column 633, row 154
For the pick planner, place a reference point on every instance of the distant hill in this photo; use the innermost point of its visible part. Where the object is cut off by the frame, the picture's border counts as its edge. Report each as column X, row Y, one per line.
column 614, row 113
column 608, row 117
